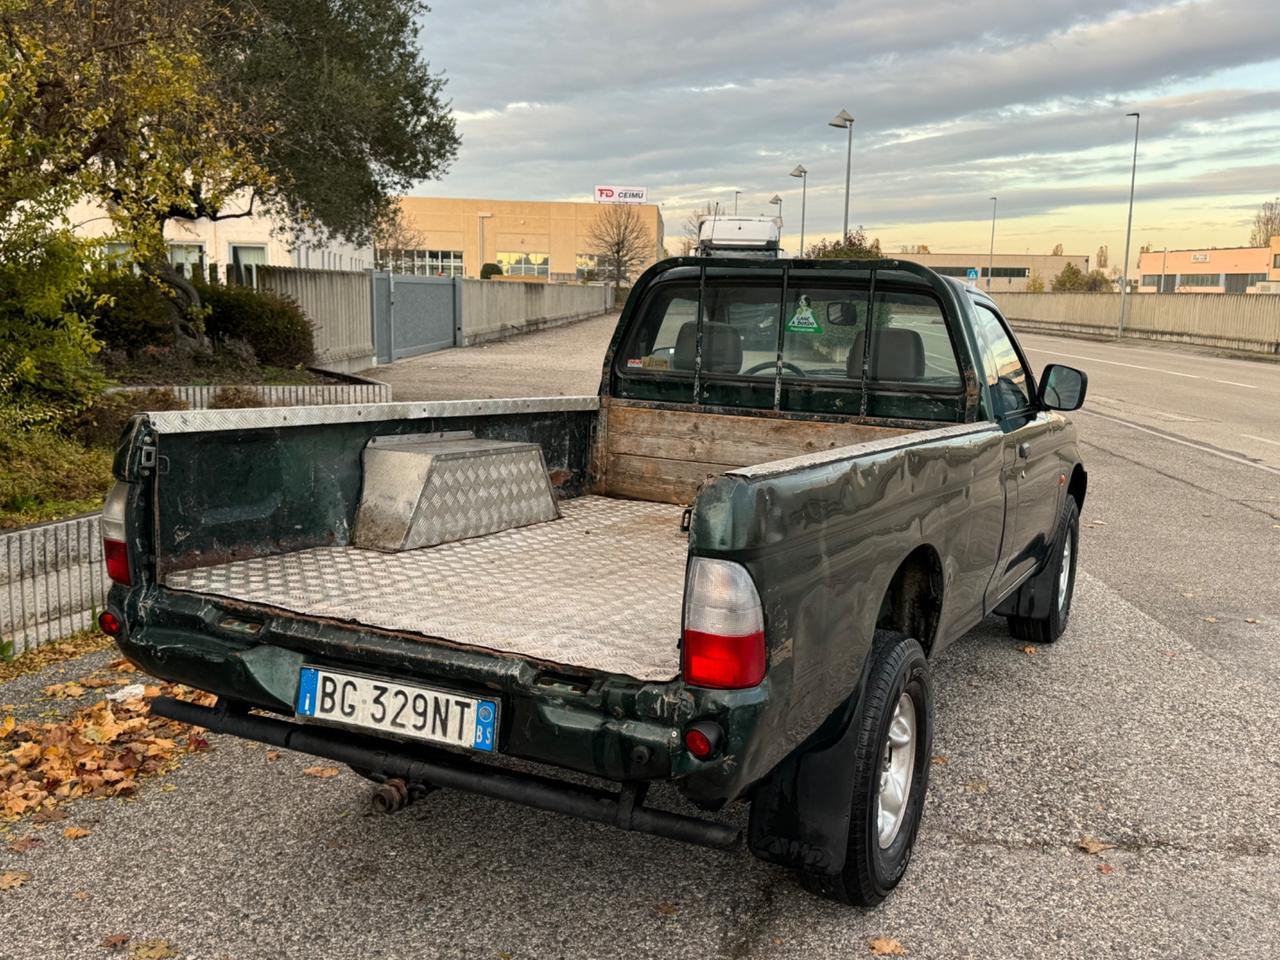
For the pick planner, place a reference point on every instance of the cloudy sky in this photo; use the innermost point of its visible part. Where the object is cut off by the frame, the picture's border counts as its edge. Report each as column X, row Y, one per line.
column 955, row 101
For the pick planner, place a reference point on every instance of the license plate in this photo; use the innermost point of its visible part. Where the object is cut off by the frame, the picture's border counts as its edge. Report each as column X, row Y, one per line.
column 398, row 708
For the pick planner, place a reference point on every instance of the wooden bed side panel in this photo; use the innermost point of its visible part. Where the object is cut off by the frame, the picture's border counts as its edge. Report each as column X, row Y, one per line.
column 665, row 455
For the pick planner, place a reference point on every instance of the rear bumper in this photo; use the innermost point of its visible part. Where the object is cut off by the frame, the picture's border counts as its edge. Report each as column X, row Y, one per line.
column 612, row 727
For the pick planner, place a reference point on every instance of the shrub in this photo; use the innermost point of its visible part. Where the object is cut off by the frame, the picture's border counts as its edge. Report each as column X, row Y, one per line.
column 102, row 424
column 44, row 475
column 490, row 270
column 131, row 314
column 228, row 398
column 274, row 326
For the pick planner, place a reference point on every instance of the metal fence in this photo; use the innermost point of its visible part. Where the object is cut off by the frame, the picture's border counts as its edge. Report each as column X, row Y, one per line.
column 1235, row 321
column 52, row 581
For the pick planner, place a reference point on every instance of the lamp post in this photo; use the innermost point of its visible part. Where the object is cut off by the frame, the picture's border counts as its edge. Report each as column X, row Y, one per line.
column 803, row 174
column 481, row 218
column 776, row 201
column 843, row 119
column 1133, row 179
column 991, row 252
column 736, row 195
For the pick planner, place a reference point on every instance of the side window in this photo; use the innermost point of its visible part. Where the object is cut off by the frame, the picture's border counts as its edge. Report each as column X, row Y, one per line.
column 1000, row 364
column 653, row 345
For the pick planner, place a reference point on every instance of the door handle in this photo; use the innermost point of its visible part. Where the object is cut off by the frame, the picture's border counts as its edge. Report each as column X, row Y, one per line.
column 1024, row 450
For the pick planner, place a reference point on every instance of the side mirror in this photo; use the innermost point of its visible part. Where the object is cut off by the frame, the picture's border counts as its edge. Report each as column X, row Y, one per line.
column 841, row 313
column 1062, row 387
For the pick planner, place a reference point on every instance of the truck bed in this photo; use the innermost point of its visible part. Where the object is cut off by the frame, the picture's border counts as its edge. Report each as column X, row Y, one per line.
column 599, row 588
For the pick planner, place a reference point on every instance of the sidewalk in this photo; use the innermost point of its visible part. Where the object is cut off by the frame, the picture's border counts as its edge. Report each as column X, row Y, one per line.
column 563, row 361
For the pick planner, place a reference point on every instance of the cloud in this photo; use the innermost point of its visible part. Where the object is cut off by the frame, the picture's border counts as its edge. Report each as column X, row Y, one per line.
column 954, row 101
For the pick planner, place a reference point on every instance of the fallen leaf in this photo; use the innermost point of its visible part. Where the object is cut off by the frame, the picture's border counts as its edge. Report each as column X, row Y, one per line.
column 23, row 844
column 776, row 941
column 64, row 691
column 978, row 786
column 1106, row 869
column 1209, row 619
column 322, row 773
column 81, row 895
column 13, row 879
column 667, row 908
column 115, row 941
column 940, row 760
column 75, row 833
column 1252, row 620
column 1029, row 650
column 6, row 726
column 273, row 755
column 49, row 816
column 152, row 950
column 197, row 743
column 1092, row 846
column 887, row 947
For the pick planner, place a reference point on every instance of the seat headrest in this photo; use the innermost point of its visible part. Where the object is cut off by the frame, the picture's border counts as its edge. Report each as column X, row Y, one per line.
column 899, row 355
column 721, row 348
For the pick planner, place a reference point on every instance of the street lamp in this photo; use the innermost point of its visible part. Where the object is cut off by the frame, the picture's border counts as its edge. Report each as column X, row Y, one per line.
column 777, row 201
column 480, row 219
column 991, row 252
column 843, row 119
column 803, row 174
column 736, row 195
column 1133, row 178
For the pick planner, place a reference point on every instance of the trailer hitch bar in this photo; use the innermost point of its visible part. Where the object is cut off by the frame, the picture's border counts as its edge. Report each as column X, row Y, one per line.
column 624, row 809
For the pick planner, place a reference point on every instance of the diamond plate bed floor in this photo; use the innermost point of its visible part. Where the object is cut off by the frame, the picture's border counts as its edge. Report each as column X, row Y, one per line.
column 599, row 588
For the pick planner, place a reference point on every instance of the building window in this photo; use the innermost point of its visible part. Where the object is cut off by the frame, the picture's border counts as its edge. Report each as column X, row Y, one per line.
column 1151, row 280
column 1008, row 273
column 1257, row 278
column 187, row 258
column 1200, row 280
column 1275, row 261
column 516, row 264
column 961, row 272
column 590, row 266
column 422, row 263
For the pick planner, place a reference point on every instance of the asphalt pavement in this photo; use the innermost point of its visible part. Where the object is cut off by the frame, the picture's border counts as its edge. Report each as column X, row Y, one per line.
column 1150, row 727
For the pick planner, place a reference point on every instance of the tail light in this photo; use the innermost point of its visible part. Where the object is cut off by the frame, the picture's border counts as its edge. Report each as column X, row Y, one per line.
column 115, row 549
column 723, row 626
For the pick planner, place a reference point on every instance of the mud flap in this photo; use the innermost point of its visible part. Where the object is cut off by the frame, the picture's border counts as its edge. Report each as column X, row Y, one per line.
column 800, row 814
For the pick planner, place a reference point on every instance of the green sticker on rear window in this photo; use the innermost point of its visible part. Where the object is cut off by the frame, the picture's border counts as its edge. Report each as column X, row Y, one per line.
column 803, row 320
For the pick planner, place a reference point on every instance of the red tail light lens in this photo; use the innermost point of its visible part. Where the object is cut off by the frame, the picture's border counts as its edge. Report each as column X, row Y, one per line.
column 723, row 626
column 117, row 557
column 109, row 623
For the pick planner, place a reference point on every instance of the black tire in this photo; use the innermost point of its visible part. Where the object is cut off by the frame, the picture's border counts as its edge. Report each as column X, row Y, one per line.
column 870, row 873
column 1053, row 624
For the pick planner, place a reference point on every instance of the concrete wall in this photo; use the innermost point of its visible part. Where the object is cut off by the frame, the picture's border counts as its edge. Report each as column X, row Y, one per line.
column 337, row 302
column 1233, row 321
column 491, row 311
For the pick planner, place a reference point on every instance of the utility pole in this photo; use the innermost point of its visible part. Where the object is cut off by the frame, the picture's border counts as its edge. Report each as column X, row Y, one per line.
column 991, row 252
column 844, row 119
column 1133, row 179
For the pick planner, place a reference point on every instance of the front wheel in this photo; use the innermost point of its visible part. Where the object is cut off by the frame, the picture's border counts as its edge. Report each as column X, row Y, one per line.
column 894, row 724
column 1060, row 572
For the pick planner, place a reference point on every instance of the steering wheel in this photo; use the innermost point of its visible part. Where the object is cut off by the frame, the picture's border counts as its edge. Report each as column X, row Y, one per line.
column 769, row 363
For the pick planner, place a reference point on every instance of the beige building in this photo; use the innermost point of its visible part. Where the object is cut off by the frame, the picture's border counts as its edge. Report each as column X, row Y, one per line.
column 1010, row 272
column 1213, row 270
column 531, row 239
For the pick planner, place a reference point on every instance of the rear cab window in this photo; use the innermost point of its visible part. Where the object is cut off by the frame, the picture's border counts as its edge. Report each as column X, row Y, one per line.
column 755, row 338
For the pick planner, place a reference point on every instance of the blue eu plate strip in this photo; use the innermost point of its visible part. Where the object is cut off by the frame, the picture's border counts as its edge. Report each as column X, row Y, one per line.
column 486, row 717
column 307, row 692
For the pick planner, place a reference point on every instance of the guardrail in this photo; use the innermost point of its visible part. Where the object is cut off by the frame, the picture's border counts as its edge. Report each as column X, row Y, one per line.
column 52, row 581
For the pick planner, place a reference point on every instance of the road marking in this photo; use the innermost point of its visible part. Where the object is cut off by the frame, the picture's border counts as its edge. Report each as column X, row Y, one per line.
column 1247, row 386
column 1117, row 363
column 1263, row 439
column 1186, row 443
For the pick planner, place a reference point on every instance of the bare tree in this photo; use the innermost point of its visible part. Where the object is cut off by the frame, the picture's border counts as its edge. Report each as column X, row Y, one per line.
column 1266, row 224
column 914, row 248
column 1102, row 257
column 1057, row 250
column 692, row 226
column 622, row 241
column 394, row 234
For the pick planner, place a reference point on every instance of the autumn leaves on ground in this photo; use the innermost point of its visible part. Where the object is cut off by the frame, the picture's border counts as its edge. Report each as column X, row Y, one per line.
column 98, row 751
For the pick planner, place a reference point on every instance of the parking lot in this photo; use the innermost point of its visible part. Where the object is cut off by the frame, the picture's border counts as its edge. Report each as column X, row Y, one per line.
column 1116, row 794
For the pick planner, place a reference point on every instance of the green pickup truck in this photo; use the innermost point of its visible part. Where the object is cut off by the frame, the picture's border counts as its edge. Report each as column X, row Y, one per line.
column 800, row 481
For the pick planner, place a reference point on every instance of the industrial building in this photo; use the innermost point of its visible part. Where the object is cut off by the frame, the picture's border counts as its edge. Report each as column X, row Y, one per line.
column 531, row 239
column 1211, row 270
column 1010, row 272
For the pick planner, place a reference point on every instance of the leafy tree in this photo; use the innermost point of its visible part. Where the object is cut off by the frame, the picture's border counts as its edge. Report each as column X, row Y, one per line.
column 914, row 248
column 621, row 240
column 1266, row 224
column 490, row 270
column 1035, row 283
column 852, row 246
column 1071, row 279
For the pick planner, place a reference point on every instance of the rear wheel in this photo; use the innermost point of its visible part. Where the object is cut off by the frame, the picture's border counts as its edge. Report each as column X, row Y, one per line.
column 894, row 724
column 1061, row 572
